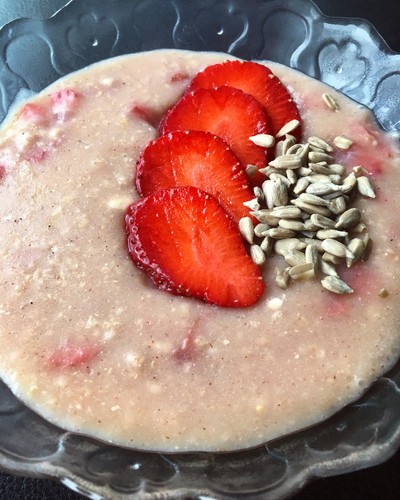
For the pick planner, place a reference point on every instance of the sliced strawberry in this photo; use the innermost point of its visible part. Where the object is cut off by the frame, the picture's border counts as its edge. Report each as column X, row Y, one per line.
column 189, row 245
column 229, row 113
column 257, row 80
column 198, row 159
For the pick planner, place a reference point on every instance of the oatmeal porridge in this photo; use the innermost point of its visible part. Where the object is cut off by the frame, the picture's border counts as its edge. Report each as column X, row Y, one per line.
column 90, row 343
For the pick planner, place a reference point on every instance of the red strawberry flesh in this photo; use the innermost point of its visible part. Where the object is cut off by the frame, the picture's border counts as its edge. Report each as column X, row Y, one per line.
column 257, row 80
column 188, row 245
column 198, row 159
column 226, row 112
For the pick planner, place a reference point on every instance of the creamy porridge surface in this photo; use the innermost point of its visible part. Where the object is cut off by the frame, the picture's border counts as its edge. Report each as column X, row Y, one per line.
column 86, row 339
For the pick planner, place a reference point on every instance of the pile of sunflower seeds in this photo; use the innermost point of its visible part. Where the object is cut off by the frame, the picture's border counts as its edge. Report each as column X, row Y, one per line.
column 304, row 210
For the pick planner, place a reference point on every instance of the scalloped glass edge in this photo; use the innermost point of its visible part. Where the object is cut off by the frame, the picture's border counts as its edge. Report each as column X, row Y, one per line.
column 302, row 459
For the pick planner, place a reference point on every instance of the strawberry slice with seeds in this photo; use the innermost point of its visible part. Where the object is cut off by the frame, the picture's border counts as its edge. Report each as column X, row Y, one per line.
column 189, row 245
column 229, row 113
column 198, row 159
column 257, row 80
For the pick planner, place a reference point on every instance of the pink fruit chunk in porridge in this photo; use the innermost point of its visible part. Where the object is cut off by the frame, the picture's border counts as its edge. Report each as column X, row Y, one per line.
column 69, row 355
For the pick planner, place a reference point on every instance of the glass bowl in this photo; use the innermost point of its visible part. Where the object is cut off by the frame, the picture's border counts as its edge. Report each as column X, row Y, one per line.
column 347, row 54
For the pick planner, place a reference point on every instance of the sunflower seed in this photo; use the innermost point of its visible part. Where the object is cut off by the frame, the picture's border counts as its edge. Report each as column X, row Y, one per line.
column 288, row 143
column 310, row 241
column 302, row 271
column 267, row 171
column 304, row 171
column 327, row 268
column 364, row 187
column 261, row 230
column 267, row 245
column 309, row 225
column 295, row 257
column 292, row 177
column 360, row 170
column 293, row 149
column 301, row 185
column 320, row 168
column 320, row 143
column 336, row 248
column 294, row 225
column 311, row 255
column 258, row 193
column 336, row 178
column 308, row 208
column 328, row 257
column 289, row 127
column 257, row 255
column 246, row 229
column 263, row 140
column 333, row 234
column 348, row 219
column 284, row 246
column 319, row 221
column 337, row 205
column 321, row 188
column 287, row 212
column 315, row 157
column 278, row 233
column 342, row 142
column 281, row 177
column 359, row 228
column 357, row 247
column 286, row 161
column 314, row 178
column 251, row 170
column 252, row 204
column 368, row 246
column 313, row 199
column 265, row 216
column 281, row 195
column 279, row 148
column 303, row 153
column 308, row 234
column 337, row 168
column 282, row 278
column 330, row 102
column 349, row 183
column 336, row 285
column 269, row 190
column 334, row 195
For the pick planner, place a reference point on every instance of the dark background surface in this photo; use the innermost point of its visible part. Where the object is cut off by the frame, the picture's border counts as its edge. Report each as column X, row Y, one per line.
column 377, row 483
